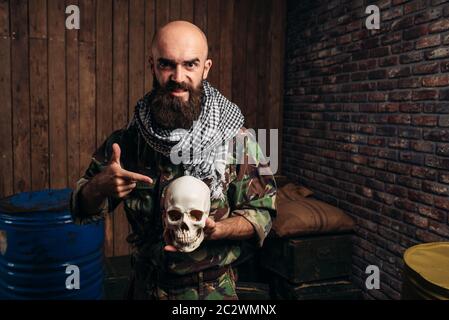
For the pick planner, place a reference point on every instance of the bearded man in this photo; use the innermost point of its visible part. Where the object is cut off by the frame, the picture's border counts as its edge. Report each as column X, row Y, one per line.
column 182, row 118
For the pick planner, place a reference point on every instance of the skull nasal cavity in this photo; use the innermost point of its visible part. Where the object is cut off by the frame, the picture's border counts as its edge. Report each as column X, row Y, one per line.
column 184, row 227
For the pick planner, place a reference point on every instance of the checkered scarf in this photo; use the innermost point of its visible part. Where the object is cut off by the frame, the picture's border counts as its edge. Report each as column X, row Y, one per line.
column 203, row 148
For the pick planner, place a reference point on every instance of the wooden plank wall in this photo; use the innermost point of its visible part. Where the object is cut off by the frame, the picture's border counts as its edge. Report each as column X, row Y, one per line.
column 62, row 92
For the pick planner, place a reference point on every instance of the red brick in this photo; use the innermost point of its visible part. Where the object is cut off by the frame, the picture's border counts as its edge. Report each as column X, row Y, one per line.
column 391, row 14
column 401, row 96
column 442, row 203
column 428, row 42
column 399, row 143
column 439, row 228
column 443, row 121
column 444, row 178
column 377, row 96
column 386, row 85
column 446, row 39
column 428, row 121
column 379, row 52
column 436, row 135
column 402, row 23
column 410, row 107
column 377, row 74
column 436, row 81
column 436, row 188
column 400, row 119
column 428, row 68
column 422, row 146
column 439, row 26
column 426, row 236
column 391, row 37
column 415, row 32
column 398, row 72
column 420, row 197
column 424, row 95
column 388, row 107
column 445, row 66
column 433, row 213
column 444, row 95
column 423, row 172
column 344, row 39
column 428, row 15
column 407, row 83
column 411, row 57
column 414, row 6
column 438, row 53
column 416, row 220
column 443, row 149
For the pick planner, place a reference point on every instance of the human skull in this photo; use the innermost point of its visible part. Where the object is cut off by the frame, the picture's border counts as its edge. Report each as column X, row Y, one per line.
column 187, row 205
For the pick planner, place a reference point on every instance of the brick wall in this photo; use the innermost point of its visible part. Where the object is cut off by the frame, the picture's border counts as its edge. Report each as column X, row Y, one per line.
column 366, row 122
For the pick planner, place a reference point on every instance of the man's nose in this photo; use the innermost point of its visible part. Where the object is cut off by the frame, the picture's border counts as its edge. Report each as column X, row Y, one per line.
column 178, row 74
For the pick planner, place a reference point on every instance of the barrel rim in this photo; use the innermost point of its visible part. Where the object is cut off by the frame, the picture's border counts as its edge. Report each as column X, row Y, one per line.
column 6, row 206
column 420, row 278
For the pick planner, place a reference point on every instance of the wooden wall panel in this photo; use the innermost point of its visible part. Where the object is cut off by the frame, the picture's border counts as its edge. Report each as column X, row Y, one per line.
column 20, row 96
column 57, row 94
column 104, row 96
column 120, row 106
column 64, row 91
column 39, row 96
column 73, row 108
column 6, row 144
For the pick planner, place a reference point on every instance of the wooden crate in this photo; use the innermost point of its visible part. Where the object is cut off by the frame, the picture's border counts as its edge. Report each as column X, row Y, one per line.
column 335, row 289
column 309, row 258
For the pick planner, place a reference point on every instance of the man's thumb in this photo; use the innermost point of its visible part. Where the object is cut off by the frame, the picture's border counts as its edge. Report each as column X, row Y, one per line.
column 115, row 154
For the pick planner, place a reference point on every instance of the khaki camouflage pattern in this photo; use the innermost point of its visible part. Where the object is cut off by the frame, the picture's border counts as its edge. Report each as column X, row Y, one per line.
column 248, row 194
column 221, row 289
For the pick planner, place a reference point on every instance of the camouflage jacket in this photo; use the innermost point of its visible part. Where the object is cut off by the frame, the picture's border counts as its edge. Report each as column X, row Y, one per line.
column 249, row 194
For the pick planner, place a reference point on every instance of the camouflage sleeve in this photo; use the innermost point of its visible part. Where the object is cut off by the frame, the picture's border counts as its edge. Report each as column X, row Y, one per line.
column 252, row 193
column 97, row 164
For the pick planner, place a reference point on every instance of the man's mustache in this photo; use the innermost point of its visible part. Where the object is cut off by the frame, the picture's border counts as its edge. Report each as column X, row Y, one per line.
column 173, row 85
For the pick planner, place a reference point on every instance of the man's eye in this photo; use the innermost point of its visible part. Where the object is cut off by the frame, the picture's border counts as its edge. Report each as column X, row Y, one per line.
column 191, row 65
column 163, row 65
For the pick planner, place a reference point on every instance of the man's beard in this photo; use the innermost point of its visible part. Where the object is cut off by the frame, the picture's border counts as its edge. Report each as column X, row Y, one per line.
column 170, row 112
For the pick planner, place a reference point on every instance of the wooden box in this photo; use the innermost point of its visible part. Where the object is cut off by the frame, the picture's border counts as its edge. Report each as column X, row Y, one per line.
column 309, row 258
column 336, row 289
column 253, row 291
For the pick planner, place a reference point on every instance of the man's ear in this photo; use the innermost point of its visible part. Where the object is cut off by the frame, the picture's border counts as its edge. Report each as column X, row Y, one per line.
column 207, row 66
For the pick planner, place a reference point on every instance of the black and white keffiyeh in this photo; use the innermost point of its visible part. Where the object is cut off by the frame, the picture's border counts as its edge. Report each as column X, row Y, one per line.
column 203, row 148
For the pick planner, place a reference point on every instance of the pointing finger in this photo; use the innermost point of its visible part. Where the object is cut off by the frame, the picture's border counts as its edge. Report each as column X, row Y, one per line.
column 135, row 176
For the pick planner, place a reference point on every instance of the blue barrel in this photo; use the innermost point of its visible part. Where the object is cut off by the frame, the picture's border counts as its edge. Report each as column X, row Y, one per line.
column 43, row 254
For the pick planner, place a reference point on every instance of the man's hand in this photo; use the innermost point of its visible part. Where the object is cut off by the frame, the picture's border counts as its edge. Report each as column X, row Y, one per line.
column 235, row 228
column 112, row 181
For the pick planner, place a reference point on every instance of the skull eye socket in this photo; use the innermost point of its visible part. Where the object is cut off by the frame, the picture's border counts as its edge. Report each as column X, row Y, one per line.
column 174, row 215
column 196, row 215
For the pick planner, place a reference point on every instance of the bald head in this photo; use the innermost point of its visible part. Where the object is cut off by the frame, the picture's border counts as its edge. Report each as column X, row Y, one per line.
column 179, row 55
column 183, row 34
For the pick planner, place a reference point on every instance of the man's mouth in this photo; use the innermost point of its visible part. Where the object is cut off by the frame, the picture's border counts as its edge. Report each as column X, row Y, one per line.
column 178, row 92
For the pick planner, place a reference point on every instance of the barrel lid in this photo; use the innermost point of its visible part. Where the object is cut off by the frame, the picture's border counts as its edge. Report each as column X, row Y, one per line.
column 40, row 203
column 430, row 263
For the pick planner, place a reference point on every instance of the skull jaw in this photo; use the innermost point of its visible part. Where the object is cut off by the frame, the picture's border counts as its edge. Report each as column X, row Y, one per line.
column 186, row 247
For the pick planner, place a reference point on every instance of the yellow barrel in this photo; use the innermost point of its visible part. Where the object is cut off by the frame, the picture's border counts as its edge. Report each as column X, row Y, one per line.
column 426, row 272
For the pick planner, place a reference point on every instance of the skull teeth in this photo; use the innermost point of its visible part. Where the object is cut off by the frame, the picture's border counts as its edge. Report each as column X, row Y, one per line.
column 185, row 237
